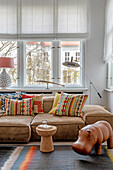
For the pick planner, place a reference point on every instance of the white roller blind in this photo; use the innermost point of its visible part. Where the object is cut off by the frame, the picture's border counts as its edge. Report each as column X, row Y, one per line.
column 109, row 29
column 37, row 16
column 8, row 16
column 72, row 16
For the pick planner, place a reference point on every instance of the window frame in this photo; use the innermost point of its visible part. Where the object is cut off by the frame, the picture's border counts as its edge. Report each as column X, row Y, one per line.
column 55, row 69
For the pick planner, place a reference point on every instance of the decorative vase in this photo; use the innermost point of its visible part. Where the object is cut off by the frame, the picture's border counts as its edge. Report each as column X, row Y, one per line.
column 5, row 80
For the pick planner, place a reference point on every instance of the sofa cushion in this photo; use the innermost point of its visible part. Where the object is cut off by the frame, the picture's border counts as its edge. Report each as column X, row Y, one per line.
column 15, row 129
column 9, row 96
column 0, row 103
column 70, row 105
column 25, row 107
column 56, row 99
column 11, row 107
column 48, row 103
column 94, row 113
column 37, row 103
column 67, row 127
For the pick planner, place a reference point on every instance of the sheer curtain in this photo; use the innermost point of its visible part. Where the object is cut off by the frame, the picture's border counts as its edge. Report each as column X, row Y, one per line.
column 108, row 30
column 40, row 17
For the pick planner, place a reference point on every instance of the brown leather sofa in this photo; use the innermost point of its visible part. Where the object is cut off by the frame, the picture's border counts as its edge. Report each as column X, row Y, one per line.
column 22, row 129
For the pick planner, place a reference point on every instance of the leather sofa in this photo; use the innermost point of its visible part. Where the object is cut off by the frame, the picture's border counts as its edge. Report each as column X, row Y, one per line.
column 22, row 129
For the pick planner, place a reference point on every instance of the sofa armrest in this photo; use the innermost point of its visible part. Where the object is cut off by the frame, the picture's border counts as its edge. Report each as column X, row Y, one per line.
column 94, row 113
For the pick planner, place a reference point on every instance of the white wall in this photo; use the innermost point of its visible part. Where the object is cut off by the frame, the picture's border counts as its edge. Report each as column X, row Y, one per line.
column 94, row 64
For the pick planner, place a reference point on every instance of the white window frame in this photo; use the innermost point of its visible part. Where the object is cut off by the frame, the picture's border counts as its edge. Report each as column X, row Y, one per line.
column 55, row 68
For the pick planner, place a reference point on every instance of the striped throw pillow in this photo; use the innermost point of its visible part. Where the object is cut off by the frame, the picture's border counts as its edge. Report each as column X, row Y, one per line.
column 11, row 107
column 15, row 96
column 70, row 105
column 24, row 107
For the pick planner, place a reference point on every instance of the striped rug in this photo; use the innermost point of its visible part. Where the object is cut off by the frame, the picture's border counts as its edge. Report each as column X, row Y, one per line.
column 63, row 158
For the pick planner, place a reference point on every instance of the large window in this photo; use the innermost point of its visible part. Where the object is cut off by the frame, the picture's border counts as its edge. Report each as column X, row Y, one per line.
column 43, row 62
column 46, row 33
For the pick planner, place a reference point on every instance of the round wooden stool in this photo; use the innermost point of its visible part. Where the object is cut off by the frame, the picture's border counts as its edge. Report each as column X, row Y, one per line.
column 46, row 138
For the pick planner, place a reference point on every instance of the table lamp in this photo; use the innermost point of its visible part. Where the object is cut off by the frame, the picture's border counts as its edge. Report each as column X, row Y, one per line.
column 5, row 62
column 75, row 64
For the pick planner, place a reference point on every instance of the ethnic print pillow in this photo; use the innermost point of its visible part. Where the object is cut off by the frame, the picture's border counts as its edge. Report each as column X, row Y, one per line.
column 11, row 107
column 70, row 105
column 19, row 107
column 24, row 107
column 9, row 96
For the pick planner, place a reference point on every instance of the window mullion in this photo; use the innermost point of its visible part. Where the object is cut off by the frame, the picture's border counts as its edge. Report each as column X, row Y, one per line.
column 59, row 64
column 21, row 64
column 54, row 61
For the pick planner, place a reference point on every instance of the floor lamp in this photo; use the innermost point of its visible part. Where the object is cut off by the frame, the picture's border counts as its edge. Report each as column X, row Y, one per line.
column 75, row 64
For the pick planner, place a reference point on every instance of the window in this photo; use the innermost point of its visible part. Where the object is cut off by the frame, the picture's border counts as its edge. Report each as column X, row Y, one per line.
column 44, row 62
column 110, row 74
column 70, row 52
column 9, row 49
column 46, row 33
column 38, row 62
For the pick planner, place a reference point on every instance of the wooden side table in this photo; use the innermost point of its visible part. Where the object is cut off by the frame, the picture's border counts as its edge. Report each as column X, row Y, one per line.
column 46, row 138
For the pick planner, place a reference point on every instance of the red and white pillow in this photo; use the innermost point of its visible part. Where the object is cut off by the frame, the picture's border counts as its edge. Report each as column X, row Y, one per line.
column 37, row 102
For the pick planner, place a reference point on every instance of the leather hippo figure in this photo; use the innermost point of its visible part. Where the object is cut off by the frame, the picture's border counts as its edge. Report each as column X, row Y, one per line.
column 94, row 134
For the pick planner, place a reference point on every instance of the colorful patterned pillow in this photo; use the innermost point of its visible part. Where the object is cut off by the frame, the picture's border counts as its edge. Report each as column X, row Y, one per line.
column 24, row 96
column 24, row 107
column 56, row 99
column 0, row 103
column 37, row 103
column 9, row 96
column 11, row 107
column 70, row 105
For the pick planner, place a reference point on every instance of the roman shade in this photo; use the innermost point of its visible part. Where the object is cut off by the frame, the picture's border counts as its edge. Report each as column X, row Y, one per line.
column 43, row 18
column 8, row 16
column 37, row 16
column 108, row 50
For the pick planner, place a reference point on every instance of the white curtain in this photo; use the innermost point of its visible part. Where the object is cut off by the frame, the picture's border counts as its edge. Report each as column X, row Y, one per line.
column 109, row 29
column 8, row 16
column 50, row 17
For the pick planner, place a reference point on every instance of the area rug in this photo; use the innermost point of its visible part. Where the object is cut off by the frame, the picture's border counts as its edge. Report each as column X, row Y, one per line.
column 62, row 158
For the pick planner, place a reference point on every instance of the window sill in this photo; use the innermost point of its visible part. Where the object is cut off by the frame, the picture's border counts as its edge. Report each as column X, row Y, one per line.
column 109, row 90
column 53, row 90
